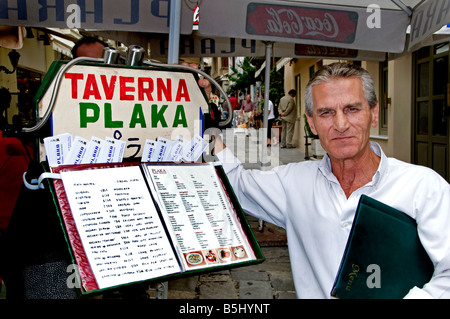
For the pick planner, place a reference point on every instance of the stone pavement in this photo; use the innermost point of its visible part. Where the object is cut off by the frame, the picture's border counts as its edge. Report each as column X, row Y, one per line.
column 271, row 279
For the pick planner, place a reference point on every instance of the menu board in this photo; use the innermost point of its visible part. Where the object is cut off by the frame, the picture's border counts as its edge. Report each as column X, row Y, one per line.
column 131, row 223
column 118, row 224
column 196, row 208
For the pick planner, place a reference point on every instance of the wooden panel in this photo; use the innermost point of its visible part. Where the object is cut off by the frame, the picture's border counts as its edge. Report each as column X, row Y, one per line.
column 440, row 159
column 422, row 153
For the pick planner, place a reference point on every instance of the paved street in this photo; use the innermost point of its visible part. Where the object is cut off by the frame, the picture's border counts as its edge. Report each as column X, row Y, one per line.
column 271, row 279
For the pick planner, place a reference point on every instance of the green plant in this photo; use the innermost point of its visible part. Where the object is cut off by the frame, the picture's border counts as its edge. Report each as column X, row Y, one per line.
column 276, row 91
column 242, row 80
column 308, row 128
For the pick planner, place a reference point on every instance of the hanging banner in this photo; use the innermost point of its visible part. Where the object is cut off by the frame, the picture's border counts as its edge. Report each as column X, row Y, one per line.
column 127, row 104
column 123, row 15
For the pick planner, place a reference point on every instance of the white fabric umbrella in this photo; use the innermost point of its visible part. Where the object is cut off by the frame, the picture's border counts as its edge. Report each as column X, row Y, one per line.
column 363, row 25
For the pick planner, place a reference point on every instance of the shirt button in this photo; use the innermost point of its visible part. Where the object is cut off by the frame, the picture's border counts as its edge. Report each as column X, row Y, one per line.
column 344, row 224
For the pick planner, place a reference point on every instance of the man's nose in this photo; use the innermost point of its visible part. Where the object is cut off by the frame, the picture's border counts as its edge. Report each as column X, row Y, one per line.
column 340, row 122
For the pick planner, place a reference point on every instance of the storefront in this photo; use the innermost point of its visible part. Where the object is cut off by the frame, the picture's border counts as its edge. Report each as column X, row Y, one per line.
column 431, row 108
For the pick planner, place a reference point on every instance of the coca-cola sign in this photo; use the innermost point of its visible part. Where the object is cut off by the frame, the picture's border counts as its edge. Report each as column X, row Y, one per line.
column 301, row 22
column 319, row 50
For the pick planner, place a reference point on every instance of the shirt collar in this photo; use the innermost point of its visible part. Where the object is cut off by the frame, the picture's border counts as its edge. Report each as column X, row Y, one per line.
column 325, row 166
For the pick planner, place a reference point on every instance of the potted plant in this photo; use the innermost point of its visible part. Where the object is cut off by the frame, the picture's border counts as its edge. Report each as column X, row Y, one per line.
column 316, row 147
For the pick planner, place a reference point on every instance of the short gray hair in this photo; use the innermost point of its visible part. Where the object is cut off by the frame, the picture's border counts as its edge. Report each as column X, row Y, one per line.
column 340, row 70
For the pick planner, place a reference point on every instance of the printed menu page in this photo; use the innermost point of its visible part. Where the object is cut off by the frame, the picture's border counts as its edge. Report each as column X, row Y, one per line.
column 120, row 228
column 203, row 223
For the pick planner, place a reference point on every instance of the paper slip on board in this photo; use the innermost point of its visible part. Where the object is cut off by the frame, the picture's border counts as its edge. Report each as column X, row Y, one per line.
column 135, row 222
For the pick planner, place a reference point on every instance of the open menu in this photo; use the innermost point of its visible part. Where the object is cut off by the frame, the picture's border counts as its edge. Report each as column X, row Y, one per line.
column 128, row 223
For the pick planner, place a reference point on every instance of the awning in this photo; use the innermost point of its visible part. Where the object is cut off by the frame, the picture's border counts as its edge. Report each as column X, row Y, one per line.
column 282, row 63
column 61, row 45
column 11, row 37
column 360, row 25
column 428, row 17
column 363, row 25
column 120, row 15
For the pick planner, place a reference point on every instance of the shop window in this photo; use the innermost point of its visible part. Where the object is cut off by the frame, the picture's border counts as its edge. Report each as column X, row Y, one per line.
column 384, row 101
column 28, row 83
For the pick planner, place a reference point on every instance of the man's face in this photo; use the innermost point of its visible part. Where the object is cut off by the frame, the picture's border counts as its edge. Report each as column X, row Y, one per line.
column 342, row 118
column 91, row 50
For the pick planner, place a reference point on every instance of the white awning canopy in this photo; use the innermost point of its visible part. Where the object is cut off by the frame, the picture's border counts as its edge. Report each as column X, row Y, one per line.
column 119, row 15
column 360, row 25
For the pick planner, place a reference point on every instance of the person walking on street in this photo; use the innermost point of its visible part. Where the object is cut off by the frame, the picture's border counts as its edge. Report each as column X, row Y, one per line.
column 270, row 120
column 236, row 107
column 234, row 102
column 247, row 109
column 288, row 113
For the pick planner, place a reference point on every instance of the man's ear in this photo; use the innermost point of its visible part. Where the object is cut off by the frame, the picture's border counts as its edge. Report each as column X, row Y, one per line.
column 375, row 112
column 311, row 124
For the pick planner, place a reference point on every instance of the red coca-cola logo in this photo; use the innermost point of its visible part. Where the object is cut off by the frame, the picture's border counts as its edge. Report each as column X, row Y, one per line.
column 301, row 22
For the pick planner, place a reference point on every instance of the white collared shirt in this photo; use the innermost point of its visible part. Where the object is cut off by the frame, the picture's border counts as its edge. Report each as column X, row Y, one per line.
column 307, row 200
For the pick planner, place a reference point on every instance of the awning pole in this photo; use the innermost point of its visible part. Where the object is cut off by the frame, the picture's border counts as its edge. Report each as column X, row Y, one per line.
column 403, row 6
column 269, row 46
column 174, row 32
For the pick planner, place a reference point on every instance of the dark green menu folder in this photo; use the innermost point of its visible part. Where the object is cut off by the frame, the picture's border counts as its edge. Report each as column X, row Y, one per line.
column 383, row 247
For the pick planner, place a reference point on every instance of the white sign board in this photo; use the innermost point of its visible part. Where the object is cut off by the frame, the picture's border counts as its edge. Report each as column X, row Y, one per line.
column 128, row 104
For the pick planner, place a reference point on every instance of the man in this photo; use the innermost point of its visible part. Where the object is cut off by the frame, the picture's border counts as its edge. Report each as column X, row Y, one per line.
column 89, row 47
column 247, row 109
column 234, row 102
column 315, row 201
column 288, row 113
column 270, row 120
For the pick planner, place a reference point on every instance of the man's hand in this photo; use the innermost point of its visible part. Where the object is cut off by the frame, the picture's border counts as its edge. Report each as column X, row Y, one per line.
column 218, row 144
column 206, row 85
column 203, row 83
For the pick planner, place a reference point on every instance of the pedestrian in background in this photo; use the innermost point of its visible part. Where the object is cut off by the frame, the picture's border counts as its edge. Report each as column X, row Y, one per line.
column 288, row 113
column 234, row 102
column 270, row 120
column 247, row 109
column 88, row 47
